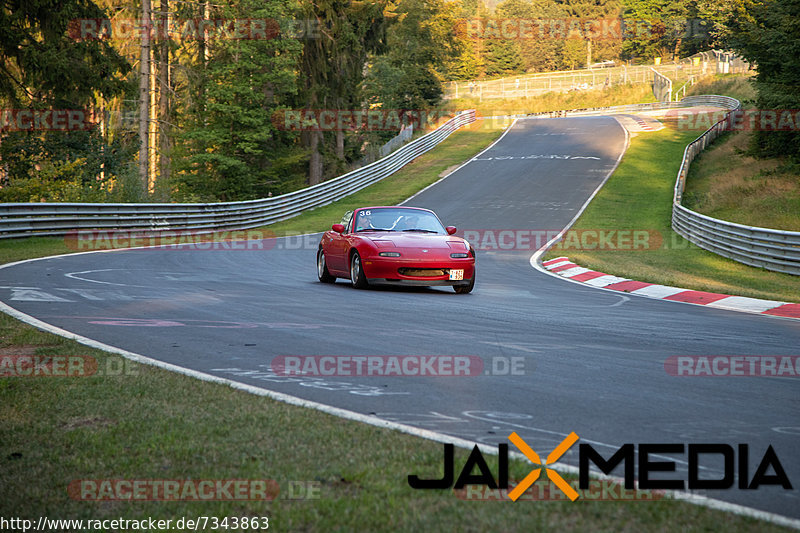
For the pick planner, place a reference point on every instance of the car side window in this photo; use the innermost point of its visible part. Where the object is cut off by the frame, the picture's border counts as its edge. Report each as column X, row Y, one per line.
column 346, row 219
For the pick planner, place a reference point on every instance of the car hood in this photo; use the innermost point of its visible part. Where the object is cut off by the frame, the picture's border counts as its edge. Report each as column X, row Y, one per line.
column 413, row 240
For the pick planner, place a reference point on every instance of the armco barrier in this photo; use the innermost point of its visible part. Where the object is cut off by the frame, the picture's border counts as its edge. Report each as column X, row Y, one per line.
column 54, row 219
column 771, row 249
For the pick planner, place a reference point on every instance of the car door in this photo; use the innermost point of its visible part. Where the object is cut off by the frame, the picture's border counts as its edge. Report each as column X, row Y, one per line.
column 338, row 247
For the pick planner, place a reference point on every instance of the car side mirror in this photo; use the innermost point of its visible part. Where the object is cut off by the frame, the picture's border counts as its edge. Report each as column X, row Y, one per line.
column 338, row 228
column 450, row 230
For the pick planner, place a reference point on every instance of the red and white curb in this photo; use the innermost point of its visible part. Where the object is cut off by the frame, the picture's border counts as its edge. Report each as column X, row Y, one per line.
column 567, row 269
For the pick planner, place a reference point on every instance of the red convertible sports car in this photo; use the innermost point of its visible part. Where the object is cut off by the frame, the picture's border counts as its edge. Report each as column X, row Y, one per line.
column 395, row 245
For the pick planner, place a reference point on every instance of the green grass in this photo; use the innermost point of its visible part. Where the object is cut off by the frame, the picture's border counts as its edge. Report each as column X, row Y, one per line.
column 726, row 183
column 639, row 197
column 734, row 85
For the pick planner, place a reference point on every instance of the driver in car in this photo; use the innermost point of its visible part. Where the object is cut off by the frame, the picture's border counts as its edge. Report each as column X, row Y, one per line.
column 410, row 222
column 364, row 221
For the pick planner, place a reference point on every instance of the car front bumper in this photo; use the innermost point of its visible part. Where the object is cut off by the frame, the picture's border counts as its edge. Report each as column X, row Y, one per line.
column 388, row 270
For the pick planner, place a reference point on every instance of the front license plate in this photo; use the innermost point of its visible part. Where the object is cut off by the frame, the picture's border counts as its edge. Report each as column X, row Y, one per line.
column 456, row 275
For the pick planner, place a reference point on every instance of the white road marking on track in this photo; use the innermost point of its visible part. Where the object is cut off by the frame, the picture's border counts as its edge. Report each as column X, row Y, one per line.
column 34, row 295
column 509, row 128
column 74, row 275
column 534, row 156
column 512, row 346
column 622, row 301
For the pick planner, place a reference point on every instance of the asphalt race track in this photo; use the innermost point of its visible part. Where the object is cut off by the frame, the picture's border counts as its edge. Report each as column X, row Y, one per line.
column 587, row 360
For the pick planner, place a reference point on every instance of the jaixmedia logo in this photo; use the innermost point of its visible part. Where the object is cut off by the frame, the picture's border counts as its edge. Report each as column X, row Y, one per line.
column 769, row 470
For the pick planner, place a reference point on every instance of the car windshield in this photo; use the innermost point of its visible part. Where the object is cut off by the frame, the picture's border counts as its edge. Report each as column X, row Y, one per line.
column 398, row 219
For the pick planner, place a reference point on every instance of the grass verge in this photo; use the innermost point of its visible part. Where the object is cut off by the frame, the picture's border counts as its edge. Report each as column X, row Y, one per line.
column 615, row 95
column 726, row 183
column 734, row 85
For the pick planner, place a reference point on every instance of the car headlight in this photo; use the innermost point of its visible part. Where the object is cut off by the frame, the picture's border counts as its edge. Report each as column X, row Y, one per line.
column 389, row 254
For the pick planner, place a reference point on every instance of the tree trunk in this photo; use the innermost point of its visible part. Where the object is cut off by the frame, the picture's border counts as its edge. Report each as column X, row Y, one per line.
column 315, row 163
column 340, row 145
column 144, row 96
column 165, row 99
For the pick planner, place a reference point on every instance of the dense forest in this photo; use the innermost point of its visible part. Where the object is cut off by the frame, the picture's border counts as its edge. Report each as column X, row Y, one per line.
column 187, row 100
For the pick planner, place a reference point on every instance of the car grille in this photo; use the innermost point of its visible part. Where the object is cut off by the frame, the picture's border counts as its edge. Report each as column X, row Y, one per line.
column 422, row 272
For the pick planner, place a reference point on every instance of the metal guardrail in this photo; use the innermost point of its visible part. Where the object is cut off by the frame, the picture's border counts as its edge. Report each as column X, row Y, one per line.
column 767, row 248
column 662, row 86
column 56, row 219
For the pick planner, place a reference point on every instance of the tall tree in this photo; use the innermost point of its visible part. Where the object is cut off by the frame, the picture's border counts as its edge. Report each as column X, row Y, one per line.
column 230, row 147
column 767, row 33
column 333, row 65
column 660, row 28
column 605, row 46
column 44, row 65
column 421, row 46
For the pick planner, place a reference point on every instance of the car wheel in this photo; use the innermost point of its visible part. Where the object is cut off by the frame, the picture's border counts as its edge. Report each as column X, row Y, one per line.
column 466, row 289
column 357, row 277
column 322, row 269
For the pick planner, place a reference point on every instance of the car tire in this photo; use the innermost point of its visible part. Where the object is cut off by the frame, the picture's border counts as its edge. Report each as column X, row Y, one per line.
column 322, row 269
column 466, row 289
column 357, row 277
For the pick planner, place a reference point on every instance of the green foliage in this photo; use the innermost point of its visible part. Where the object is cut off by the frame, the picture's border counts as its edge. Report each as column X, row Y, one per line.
column 421, row 47
column 56, row 181
column 546, row 48
column 573, row 54
column 467, row 65
column 230, row 147
column 502, row 57
column 44, row 66
column 668, row 28
column 82, row 158
column 767, row 33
